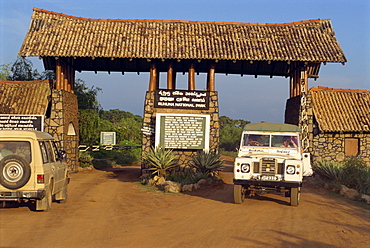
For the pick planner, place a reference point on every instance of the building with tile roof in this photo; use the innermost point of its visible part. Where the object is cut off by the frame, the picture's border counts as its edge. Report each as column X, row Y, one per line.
column 338, row 123
column 58, row 107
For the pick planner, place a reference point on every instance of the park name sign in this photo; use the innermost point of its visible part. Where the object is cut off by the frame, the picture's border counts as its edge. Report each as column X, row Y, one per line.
column 182, row 131
column 181, row 99
column 21, row 122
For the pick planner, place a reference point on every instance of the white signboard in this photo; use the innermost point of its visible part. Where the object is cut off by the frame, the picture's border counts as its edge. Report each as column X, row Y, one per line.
column 182, row 131
column 108, row 138
column 22, row 122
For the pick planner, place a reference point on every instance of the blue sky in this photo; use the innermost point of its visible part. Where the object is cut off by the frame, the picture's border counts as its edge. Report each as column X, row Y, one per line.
column 261, row 99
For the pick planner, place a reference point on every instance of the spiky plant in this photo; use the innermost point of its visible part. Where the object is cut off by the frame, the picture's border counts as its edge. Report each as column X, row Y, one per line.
column 160, row 160
column 329, row 169
column 207, row 162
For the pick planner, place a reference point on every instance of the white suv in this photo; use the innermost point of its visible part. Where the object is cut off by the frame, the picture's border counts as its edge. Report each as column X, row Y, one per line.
column 32, row 169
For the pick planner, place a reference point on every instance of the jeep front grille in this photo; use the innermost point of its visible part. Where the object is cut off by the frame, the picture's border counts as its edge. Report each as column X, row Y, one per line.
column 269, row 166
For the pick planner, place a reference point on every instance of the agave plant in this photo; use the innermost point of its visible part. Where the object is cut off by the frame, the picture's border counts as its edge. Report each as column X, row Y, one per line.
column 207, row 163
column 160, row 160
column 329, row 169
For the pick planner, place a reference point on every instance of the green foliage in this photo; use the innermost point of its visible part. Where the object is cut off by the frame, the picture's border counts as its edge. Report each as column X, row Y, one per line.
column 329, row 169
column 208, row 163
column 89, row 126
column 5, row 70
column 87, row 97
column 230, row 133
column 85, row 159
column 21, row 70
column 357, row 175
column 160, row 160
column 353, row 173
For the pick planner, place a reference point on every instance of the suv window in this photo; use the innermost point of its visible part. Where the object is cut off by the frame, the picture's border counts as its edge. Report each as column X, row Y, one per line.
column 44, row 153
column 50, row 151
column 21, row 148
column 55, row 150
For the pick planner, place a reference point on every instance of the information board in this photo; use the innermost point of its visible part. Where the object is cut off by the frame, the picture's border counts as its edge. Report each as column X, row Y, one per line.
column 22, row 122
column 108, row 138
column 182, row 131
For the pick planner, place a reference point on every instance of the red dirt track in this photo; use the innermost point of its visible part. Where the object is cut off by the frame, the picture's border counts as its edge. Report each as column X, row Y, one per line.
column 109, row 209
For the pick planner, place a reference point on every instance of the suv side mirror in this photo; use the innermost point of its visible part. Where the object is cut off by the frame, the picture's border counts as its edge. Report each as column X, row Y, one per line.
column 62, row 155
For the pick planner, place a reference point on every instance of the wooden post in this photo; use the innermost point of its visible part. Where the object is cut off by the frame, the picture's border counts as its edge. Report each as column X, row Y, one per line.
column 153, row 77
column 58, row 75
column 171, row 77
column 211, row 78
column 191, row 79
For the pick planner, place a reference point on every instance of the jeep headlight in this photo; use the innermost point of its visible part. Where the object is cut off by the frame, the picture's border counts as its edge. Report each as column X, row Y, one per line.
column 290, row 169
column 245, row 168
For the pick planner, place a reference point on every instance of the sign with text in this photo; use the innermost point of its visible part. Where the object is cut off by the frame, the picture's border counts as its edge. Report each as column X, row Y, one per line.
column 181, row 99
column 22, row 122
column 108, row 138
column 182, row 131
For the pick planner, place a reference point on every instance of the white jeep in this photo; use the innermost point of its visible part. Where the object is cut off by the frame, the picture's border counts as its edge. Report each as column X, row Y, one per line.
column 32, row 169
column 270, row 160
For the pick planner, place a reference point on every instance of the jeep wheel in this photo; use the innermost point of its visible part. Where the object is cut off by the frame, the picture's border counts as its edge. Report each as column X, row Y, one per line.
column 295, row 194
column 15, row 172
column 239, row 194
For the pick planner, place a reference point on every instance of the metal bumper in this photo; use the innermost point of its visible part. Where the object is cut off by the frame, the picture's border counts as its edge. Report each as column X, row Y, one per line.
column 18, row 195
column 269, row 183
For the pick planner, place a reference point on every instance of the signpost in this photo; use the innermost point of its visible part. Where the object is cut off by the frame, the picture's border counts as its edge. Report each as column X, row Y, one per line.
column 182, row 131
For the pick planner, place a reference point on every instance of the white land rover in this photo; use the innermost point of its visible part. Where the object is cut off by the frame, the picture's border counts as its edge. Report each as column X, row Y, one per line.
column 32, row 169
column 270, row 160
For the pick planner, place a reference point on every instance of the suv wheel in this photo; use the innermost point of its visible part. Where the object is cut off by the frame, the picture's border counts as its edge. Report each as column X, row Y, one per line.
column 15, row 172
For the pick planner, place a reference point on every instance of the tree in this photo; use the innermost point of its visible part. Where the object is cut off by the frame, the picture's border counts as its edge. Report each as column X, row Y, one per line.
column 230, row 133
column 87, row 97
column 21, row 70
column 5, row 71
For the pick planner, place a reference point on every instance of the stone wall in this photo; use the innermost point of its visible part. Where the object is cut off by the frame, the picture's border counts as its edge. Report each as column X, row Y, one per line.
column 184, row 155
column 63, row 124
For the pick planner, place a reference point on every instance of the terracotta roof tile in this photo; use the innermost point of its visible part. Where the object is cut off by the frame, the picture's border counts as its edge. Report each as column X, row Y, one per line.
column 55, row 34
column 29, row 97
column 341, row 110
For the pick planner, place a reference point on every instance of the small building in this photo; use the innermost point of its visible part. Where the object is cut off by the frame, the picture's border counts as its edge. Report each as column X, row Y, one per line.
column 58, row 107
column 337, row 123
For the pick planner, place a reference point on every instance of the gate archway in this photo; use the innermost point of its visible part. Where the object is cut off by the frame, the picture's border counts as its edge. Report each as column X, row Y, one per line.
column 293, row 50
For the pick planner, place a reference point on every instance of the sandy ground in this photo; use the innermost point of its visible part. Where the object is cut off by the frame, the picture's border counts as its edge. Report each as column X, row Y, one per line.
column 109, row 209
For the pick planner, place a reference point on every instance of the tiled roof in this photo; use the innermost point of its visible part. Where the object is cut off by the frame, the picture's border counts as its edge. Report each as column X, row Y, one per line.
column 341, row 110
column 19, row 97
column 58, row 35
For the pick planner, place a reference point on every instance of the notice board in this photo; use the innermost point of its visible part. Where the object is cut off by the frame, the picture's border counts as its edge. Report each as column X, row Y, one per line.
column 21, row 122
column 182, row 131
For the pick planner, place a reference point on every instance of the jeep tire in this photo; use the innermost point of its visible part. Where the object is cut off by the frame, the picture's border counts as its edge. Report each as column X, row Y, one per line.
column 295, row 194
column 239, row 194
column 15, row 171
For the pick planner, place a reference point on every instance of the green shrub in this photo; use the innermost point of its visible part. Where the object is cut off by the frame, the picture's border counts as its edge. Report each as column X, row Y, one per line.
column 329, row 169
column 353, row 173
column 85, row 159
column 208, row 163
column 160, row 160
column 356, row 175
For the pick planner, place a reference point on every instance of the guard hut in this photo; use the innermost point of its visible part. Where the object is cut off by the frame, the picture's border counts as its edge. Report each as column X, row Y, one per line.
column 294, row 50
column 338, row 123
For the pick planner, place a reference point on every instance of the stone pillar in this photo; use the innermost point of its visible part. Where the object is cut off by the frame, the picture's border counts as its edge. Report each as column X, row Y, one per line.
column 184, row 156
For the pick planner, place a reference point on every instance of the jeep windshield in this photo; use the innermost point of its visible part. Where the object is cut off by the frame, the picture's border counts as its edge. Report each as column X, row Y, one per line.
column 271, row 140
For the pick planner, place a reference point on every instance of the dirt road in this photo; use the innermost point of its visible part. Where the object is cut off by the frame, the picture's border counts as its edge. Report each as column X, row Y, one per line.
column 109, row 209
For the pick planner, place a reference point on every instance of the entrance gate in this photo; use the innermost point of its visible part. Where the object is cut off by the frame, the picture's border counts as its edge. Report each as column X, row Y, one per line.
column 294, row 50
